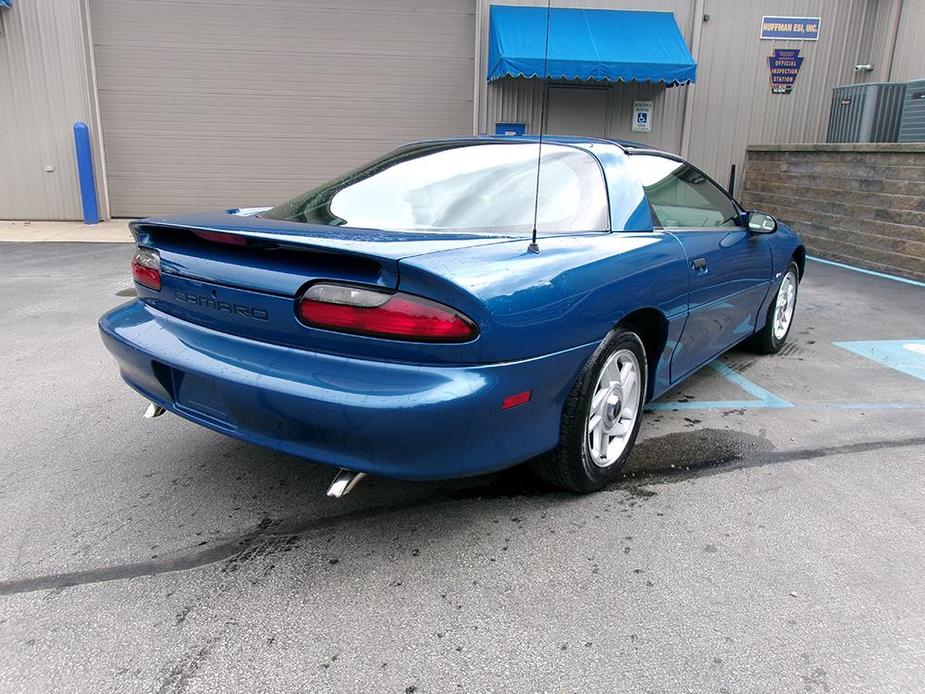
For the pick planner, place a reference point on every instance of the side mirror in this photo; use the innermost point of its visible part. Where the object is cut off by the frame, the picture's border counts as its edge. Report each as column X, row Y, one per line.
column 761, row 223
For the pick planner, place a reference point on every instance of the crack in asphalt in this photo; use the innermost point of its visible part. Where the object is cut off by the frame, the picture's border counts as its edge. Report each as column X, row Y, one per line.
column 296, row 526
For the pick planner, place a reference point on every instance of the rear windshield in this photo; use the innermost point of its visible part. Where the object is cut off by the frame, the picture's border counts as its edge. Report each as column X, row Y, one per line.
column 473, row 187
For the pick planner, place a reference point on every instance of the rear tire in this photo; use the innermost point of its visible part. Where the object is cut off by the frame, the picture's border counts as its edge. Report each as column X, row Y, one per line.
column 601, row 417
column 773, row 335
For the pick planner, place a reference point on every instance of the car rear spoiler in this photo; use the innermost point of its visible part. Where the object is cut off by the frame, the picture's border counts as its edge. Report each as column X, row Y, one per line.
column 375, row 244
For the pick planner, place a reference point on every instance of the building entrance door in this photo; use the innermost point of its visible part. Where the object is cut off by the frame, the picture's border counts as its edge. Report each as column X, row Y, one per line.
column 576, row 111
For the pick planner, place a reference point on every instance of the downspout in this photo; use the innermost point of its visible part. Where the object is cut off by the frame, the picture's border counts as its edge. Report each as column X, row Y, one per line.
column 889, row 50
column 477, row 80
column 696, row 31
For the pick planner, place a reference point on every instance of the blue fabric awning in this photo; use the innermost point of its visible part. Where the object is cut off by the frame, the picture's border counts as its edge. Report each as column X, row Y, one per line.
column 612, row 45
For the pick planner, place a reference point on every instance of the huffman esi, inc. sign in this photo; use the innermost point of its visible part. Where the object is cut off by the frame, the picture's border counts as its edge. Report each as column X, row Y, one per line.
column 790, row 28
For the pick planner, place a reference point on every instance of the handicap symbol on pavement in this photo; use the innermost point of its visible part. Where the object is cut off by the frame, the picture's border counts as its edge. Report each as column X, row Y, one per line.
column 907, row 356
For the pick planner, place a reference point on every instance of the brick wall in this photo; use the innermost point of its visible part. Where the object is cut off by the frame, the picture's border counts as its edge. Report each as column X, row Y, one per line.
column 863, row 204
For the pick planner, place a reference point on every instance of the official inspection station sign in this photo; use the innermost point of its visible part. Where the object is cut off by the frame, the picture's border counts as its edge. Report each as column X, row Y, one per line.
column 790, row 28
column 784, row 64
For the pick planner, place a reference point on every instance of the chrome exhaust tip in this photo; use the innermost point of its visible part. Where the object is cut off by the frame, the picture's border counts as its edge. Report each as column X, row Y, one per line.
column 154, row 411
column 344, row 481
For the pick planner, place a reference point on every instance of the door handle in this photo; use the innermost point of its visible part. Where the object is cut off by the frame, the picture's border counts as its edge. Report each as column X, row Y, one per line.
column 699, row 264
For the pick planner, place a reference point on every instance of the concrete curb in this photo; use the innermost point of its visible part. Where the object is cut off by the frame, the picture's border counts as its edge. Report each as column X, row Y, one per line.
column 113, row 231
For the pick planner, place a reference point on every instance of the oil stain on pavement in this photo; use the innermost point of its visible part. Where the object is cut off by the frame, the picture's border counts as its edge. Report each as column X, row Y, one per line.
column 657, row 460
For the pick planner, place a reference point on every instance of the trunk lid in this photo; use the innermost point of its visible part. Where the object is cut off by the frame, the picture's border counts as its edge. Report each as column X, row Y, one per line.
column 241, row 274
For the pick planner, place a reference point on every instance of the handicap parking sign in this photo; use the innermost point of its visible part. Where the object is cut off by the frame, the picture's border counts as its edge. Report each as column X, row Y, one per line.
column 642, row 116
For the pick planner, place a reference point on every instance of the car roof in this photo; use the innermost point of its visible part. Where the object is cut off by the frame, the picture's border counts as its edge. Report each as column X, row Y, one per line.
column 572, row 140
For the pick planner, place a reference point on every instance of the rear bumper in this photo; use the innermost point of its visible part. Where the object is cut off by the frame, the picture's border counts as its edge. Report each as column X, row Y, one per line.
column 398, row 420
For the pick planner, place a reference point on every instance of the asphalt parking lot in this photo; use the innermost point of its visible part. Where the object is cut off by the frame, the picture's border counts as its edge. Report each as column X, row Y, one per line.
column 769, row 534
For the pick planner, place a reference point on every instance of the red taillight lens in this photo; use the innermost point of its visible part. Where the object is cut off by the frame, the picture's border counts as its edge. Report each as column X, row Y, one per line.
column 146, row 268
column 381, row 314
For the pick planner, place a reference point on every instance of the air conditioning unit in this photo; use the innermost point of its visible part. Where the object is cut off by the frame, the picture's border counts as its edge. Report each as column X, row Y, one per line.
column 912, row 128
column 866, row 112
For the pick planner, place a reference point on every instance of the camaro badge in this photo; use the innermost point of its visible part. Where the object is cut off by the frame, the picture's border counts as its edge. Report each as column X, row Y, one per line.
column 225, row 306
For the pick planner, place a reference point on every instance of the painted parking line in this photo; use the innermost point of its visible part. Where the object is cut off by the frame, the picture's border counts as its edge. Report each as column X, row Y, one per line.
column 764, row 399
column 907, row 356
column 845, row 266
column 872, row 406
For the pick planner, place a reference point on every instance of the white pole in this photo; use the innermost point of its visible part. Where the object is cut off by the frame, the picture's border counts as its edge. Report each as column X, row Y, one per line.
column 696, row 30
column 889, row 51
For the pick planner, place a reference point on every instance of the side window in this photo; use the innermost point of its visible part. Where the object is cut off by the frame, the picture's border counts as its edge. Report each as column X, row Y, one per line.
column 681, row 196
column 572, row 193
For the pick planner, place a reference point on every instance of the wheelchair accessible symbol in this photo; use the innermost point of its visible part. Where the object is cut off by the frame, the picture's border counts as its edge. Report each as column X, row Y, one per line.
column 642, row 116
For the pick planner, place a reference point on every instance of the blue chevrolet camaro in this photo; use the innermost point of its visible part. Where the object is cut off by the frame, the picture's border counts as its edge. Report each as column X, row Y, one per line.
column 399, row 321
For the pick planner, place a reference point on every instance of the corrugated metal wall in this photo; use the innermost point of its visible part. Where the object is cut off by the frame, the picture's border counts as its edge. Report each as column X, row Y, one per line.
column 520, row 100
column 44, row 89
column 879, row 22
column 223, row 103
column 909, row 56
column 731, row 104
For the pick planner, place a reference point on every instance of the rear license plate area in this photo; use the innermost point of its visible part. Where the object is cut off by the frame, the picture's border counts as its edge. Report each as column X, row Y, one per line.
column 200, row 396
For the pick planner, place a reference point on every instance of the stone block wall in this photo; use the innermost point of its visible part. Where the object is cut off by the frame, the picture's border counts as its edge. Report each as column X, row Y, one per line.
column 862, row 204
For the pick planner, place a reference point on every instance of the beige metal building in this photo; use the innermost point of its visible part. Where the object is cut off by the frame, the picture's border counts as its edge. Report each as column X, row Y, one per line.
column 218, row 103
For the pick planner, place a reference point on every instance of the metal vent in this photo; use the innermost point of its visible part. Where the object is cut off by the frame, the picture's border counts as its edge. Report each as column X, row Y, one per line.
column 866, row 112
column 912, row 128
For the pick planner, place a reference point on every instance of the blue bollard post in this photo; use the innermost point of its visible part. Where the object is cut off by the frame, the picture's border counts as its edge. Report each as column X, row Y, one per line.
column 85, row 173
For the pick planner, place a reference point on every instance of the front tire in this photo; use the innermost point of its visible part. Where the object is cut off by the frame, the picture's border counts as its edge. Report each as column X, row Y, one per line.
column 771, row 338
column 601, row 417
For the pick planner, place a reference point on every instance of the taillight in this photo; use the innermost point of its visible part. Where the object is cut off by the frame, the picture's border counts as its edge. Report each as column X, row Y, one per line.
column 146, row 268
column 382, row 314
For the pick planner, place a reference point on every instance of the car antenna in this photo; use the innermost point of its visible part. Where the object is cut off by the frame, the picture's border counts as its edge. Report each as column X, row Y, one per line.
column 533, row 247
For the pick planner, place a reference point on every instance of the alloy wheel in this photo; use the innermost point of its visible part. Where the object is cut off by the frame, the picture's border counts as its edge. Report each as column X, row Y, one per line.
column 615, row 406
column 786, row 301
